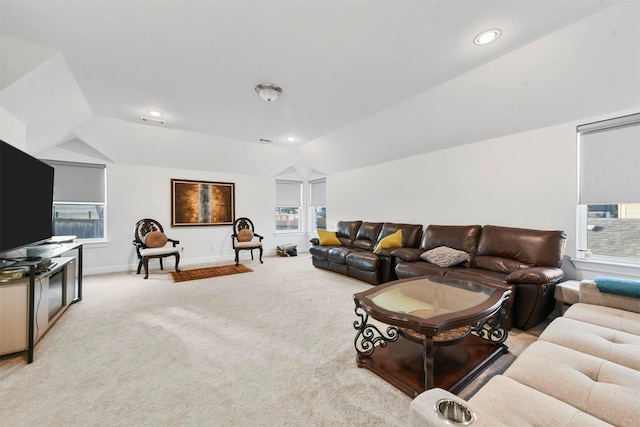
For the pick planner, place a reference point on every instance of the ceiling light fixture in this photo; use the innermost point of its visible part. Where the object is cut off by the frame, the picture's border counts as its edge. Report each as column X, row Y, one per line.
column 268, row 91
column 154, row 113
column 487, row 37
column 291, row 139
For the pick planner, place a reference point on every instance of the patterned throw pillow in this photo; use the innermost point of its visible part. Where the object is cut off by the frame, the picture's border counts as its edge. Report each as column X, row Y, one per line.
column 245, row 235
column 444, row 256
column 155, row 239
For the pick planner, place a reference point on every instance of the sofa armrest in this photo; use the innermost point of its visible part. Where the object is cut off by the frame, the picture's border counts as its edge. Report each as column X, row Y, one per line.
column 536, row 275
column 590, row 294
column 408, row 254
column 423, row 410
column 315, row 241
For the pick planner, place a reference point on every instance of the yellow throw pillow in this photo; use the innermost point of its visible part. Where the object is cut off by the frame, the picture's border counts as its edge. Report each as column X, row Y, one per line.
column 391, row 241
column 328, row 238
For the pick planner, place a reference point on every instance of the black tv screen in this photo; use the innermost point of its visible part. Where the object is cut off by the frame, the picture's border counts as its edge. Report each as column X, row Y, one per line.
column 26, row 199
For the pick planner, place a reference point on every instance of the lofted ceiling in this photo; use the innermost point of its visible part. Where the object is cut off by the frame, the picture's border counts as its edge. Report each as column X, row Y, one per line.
column 364, row 81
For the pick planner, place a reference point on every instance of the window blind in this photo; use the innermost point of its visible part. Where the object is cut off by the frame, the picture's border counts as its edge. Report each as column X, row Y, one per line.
column 288, row 193
column 609, row 156
column 78, row 182
column 318, row 192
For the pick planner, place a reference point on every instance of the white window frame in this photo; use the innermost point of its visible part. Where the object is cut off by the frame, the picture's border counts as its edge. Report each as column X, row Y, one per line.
column 312, row 206
column 585, row 260
column 286, row 204
column 66, row 201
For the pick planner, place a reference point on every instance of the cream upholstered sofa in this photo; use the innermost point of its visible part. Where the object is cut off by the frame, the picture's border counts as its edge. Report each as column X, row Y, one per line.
column 584, row 370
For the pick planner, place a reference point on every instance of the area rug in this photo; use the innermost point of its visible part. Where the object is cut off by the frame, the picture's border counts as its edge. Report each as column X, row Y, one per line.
column 205, row 273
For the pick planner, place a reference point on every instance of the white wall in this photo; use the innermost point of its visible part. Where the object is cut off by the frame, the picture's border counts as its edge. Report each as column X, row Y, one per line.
column 523, row 180
column 135, row 192
column 12, row 130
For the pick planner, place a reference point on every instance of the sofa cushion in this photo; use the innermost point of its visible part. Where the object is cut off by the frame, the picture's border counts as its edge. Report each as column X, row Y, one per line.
column 616, row 346
column 514, row 404
column 338, row 255
column 346, row 231
column 461, row 237
column 604, row 389
column 367, row 235
column 499, row 264
column 444, row 256
column 393, row 240
column 411, row 233
column 622, row 320
column 507, row 249
column 406, row 269
column 363, row 260
column 328, row 238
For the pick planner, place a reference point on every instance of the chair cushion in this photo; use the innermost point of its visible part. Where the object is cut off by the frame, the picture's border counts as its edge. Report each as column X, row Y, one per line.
column 245, row 235
column 248, row 245
column 155, row 239
column 159, row 251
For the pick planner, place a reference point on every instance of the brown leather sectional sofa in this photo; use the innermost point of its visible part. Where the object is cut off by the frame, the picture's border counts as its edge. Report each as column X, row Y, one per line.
column 525, row 261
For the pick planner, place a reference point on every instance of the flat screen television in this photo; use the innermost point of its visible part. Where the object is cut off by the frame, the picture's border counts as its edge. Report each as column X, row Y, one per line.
column 26, row 199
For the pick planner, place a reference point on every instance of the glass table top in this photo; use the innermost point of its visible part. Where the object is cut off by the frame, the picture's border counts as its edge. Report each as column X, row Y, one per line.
column 429, row 297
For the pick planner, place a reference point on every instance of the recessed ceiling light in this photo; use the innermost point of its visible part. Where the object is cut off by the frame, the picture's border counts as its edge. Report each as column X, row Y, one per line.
column 487, row 37
column 154, row 113
column 291, row 139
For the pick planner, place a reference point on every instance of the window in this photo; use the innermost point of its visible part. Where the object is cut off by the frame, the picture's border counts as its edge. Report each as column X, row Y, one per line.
column 79, row 194
column 318, row 204
column 609, row 188
column 288, row 205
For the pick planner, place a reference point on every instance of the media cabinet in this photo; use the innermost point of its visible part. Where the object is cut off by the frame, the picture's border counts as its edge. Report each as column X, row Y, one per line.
column 30, row 305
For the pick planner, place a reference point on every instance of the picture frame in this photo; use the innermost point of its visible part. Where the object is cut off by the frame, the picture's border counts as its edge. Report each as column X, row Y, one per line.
column 195, row 203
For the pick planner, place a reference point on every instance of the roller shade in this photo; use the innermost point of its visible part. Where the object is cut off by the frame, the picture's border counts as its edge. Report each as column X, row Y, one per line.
column 288, row 193
column 318, row 192
column 78, row 182
column 609, row 156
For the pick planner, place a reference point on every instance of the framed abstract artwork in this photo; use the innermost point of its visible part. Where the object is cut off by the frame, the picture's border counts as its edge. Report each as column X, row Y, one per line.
column 202, row 203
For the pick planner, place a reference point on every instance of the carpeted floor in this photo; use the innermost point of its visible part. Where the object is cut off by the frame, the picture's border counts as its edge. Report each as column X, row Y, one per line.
column 271, row 348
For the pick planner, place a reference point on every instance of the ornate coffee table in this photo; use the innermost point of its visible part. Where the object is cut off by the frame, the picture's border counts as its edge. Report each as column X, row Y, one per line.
column 430, row 332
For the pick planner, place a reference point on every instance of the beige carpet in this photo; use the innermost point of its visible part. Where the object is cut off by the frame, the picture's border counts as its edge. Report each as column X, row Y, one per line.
column 207, row 272
column 272, row 348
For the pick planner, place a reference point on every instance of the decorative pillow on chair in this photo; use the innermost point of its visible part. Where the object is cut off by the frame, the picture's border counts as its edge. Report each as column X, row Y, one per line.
column 245, row 235
column 328, row 238
column 393, row 240
column 155, row 239
column 444, row 256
